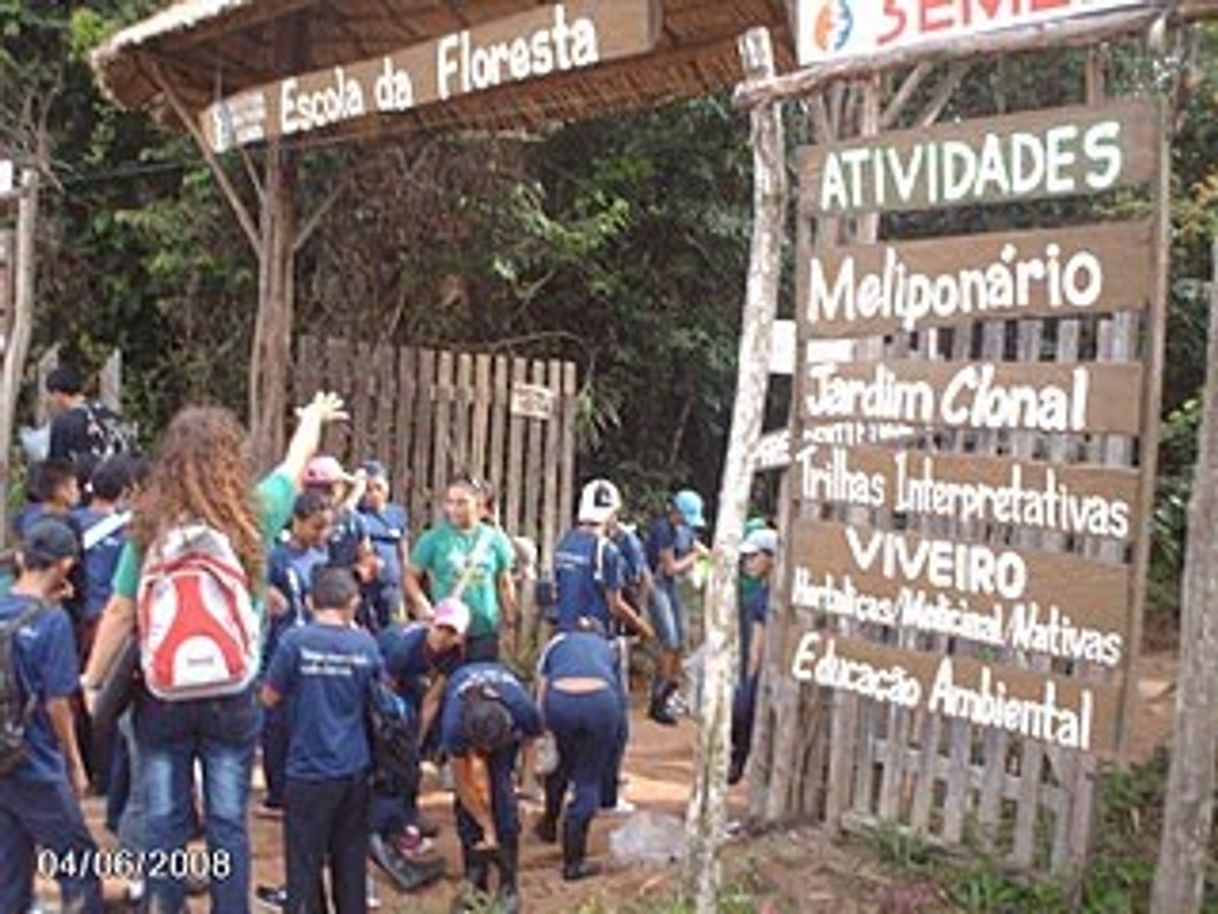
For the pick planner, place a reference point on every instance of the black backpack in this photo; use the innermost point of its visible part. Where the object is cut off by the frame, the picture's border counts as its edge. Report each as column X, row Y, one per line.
column 393, row 734
column 16, row 711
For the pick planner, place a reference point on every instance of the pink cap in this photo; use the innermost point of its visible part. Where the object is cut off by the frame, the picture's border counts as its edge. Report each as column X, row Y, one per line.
column 452, row 613
column 324, row 471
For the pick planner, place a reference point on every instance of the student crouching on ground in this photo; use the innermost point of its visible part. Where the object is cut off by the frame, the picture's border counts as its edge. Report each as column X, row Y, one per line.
column 487, row 717
column 325, row 672
column 42, row 776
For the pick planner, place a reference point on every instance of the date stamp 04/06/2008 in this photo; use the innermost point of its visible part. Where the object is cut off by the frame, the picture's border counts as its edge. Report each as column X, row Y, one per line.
column 178, row 865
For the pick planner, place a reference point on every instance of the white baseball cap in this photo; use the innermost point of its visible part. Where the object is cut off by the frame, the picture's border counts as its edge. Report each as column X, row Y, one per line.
column 761, row 540
column 599, row 502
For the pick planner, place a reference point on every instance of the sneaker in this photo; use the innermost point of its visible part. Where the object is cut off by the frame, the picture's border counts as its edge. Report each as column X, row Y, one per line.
column 271, row 898
column 374, row 900
column 623, row 808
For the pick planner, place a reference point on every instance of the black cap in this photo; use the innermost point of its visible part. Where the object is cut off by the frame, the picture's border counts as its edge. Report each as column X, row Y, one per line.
column 374, row 469
column 64, row 381
column 49, row 540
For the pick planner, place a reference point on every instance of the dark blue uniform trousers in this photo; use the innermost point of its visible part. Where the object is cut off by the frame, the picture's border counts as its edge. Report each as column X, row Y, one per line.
column 588, row 729
column 46, row 816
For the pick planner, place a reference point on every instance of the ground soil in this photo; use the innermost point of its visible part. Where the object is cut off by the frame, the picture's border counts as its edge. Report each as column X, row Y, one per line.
column 802, row 867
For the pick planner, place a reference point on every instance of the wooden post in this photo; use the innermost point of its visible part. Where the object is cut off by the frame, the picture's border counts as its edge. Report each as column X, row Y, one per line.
column 110, row 382
column 1179, row 884
column 271, row 358
column 22, row 327
column 706, row 820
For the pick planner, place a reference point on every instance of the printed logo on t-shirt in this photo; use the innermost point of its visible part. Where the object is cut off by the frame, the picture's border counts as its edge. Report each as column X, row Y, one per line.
column 324, row 663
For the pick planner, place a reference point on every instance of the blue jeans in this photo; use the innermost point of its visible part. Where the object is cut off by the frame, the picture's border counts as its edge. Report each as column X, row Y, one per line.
column 668, row 615
column 220, row 734
column 47, row 816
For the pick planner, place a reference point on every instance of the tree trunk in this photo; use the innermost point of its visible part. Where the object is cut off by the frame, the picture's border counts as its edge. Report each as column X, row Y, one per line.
column 272, row 353
column 706, row 820
column 19, row 340
column 1189, row 809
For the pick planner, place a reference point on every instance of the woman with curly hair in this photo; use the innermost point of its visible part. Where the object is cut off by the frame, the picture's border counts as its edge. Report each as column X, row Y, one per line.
column 202, row 481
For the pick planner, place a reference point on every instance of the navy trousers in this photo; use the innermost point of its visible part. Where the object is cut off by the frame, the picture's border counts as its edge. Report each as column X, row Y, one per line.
column 587, row 728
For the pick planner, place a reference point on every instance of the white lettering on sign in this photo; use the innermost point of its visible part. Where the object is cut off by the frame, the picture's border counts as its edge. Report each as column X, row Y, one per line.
column 838, row 29
column 1021, row 625
column 945, row 172
column 946, row 565
column 6, row 177
column 987, row 702
column 300, row 111
column 972, row 398
column 1009, row 283
column 462, row 66
column 891, row 686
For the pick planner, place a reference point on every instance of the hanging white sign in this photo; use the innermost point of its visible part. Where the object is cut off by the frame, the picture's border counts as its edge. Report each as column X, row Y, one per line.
column 830, row 30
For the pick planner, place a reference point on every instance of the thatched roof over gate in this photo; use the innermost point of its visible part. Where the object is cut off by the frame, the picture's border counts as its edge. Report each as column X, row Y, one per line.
column 208, row 49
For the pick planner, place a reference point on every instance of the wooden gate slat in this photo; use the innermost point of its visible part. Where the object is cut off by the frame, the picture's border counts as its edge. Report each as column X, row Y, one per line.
column 570, row 414
column 533, row 477
column 387, row 435
column 337, row 439
column 481, row 418
column 551, row 521
column 500, row 404
column 442, row 468
column 515, row 457
column 426, row 399
column 404, row 482
column 461, row 405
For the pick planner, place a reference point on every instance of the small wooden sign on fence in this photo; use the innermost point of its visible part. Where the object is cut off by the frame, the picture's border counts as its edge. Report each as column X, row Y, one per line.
column 532, row 401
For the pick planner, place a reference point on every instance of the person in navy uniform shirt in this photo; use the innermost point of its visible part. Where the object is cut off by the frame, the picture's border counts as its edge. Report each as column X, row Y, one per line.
column 290, row 570
column 486, row 719
column 39, row 797
column 672, row 550
column 388, row 530
column 325, row 672
column 588, row 579
column 349, row 545
column 583, row 706
column 758, row 552
column 418, row 658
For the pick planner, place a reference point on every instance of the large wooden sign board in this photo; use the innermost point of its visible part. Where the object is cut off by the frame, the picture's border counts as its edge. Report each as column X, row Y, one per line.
column 540, row 43
column 970, row 538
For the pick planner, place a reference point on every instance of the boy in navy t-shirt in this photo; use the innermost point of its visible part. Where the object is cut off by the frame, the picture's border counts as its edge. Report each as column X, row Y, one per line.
column 290, row 569
column 325, row 671
column 487, row 717
column 39, row 797
column 388, row 528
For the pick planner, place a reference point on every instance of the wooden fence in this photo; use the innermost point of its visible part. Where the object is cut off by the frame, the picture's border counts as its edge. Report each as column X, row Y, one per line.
column 429, row 415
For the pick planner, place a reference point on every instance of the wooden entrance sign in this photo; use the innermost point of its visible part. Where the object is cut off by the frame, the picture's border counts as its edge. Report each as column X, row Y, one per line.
column 539, row 43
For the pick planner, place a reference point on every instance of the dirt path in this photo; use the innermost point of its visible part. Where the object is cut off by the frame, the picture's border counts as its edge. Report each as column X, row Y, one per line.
column 803, row 866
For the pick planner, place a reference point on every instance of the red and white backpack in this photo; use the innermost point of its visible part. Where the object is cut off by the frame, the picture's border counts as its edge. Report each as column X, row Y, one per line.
column 197, row 626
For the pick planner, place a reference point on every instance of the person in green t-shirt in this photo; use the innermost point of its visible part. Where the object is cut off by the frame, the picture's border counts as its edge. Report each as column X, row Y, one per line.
column 462, row 549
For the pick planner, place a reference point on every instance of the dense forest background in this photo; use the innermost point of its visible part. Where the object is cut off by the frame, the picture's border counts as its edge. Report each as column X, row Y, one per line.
column 620, row 243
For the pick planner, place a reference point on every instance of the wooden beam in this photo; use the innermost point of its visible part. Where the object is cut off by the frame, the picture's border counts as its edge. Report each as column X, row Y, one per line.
column 892, row 113
column 192, row 127
column 1070, row 33
column 943, row 94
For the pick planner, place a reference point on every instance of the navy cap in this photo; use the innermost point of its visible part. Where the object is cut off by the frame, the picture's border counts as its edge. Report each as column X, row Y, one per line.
column 49, row 540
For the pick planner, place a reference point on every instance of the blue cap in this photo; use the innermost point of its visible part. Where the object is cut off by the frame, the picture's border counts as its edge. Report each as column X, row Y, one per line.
column 689, row 505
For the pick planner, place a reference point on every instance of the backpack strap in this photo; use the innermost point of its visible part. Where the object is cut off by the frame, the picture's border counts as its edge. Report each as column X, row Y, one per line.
column 103, row 529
